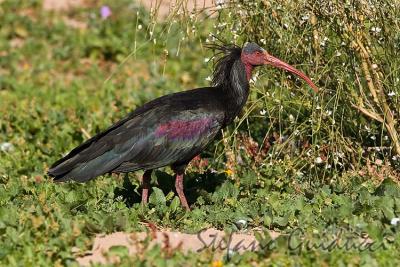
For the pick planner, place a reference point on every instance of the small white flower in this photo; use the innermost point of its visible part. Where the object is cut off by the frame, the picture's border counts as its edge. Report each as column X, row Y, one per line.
column 230, row 253
column 374, row 66
column 286, row 26
column 263, row 112
column 209, row 79
column 263, row 41
column 318, row 160
column 207, row 59
column 291, row 118
column 305, row 17
column 241, row 224
column 151, row 33
column 328, row 112
column 386, row 138
column 338, row 54
column 394, row 221
column 376, row 29
column 139, row 26
column 373, row 137
column 299, row 174
column 328, row 166
column 323, row 42
column 6, row 147
column 391, row 94
column 254, row 78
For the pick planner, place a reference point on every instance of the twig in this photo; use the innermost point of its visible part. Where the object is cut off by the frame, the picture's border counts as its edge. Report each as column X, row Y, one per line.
column 85, row 133
column 376, row 89
column 317, row 48
column 370, row 114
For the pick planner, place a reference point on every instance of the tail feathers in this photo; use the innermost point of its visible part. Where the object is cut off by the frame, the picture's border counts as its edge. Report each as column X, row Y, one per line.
column 60, row 170
column 66, row 172
column 82, row 171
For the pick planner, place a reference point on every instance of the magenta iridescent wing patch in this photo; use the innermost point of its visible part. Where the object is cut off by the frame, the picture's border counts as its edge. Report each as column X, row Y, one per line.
column 184, row 128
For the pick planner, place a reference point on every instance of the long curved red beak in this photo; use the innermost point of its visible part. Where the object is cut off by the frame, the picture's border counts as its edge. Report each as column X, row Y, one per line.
column 276, row 62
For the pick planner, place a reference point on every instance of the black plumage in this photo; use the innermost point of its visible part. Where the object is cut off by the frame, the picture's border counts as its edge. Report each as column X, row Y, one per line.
column 170, row 130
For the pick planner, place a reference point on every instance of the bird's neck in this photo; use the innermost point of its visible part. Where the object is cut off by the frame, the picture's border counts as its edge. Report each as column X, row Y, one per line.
column 237, row 90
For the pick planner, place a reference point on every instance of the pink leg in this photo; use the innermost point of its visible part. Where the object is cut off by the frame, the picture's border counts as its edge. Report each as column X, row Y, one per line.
column 179, row 190
column 146, row 186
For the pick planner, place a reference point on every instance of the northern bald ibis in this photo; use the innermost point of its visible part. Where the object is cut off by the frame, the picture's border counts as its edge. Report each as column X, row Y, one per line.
column 173, row 129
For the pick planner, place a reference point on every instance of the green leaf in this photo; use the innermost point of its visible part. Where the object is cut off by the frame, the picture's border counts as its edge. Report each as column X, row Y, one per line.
column 175, row 204
column 118, row 251
column 267, row 221
column 281, row 221
column 388, row 188
column 157, row 198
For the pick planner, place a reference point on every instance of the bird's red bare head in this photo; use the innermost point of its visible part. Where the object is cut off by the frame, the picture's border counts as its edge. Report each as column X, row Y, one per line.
column 253, row 55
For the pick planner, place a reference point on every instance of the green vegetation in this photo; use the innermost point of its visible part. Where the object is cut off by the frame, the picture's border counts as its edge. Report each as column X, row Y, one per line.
column 325, row 164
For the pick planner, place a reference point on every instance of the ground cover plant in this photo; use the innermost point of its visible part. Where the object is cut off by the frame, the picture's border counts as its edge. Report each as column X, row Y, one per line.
column 324, row 165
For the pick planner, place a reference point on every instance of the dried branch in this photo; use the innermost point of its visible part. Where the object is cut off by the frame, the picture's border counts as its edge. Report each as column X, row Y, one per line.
column 368, row 113
column 375, row 87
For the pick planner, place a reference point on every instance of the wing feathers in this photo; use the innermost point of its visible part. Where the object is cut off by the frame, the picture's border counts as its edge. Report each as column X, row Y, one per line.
column 149, row 138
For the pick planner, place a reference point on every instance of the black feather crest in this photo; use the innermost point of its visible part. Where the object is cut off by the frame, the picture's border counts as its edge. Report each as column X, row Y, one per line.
column 226, row 55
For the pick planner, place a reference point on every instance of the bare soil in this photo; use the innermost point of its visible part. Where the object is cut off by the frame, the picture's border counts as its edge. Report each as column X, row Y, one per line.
column 213, row 240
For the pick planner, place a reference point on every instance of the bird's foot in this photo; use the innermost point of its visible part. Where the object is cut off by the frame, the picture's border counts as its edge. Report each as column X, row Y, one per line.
column 179, row 190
